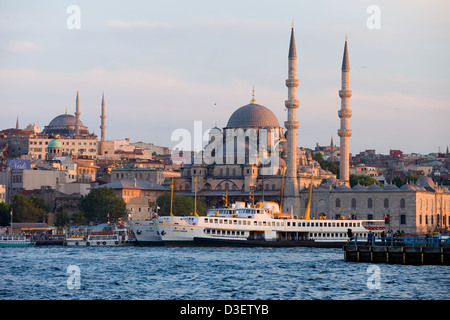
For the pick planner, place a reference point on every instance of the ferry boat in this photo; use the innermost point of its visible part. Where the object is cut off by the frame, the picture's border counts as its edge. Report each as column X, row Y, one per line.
column 145, row 232
column 103, row 235
column 15, row 240
column 263, row 225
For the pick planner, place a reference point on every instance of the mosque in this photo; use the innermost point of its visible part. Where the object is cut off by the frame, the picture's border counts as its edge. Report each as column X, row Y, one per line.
column 416, row 209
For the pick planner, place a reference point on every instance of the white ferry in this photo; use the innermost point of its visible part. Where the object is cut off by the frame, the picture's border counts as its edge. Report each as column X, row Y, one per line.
column 15, row 240
column 103, row 235
column 261, row 226
column 145, row 232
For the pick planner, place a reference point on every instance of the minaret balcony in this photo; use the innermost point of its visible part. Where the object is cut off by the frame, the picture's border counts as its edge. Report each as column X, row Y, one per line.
column 345, row 113
column 344, row 132
column 292, row 103
column 291, row 125
column 292, row 83
column 345, row 93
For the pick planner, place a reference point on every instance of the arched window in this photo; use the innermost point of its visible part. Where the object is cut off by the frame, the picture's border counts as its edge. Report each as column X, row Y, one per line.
column 338, row 203
column 386, row 202
column 402, row 203
column 353, row 203
column 369, row 203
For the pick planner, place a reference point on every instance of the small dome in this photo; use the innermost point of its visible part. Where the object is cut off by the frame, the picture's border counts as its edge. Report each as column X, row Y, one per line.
column 390, row 187
column 343, row 187
column 374, row 187
column 359, row 187
column 253, row 116
column 408, row 187
column 55, row 144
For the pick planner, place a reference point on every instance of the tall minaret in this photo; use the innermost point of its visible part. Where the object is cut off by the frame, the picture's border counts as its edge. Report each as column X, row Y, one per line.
column 345, row 113
column 77, row 115
column 17, row 123
column 102, row 126
column 291, row 200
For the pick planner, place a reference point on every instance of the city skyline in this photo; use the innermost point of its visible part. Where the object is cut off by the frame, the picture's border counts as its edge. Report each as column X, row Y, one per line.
column 163, row 66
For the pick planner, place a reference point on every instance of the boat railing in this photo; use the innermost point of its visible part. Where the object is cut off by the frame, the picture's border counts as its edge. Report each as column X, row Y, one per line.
column 405, row 241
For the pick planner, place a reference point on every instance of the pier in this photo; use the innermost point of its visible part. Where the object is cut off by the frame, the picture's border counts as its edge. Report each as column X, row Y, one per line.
column 408, row 250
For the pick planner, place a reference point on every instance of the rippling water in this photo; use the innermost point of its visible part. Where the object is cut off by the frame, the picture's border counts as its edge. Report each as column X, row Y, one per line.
column 164, row 273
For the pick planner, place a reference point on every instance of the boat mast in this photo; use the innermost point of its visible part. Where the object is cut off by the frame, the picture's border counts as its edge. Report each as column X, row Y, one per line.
column 308, row 208
column 171, row 198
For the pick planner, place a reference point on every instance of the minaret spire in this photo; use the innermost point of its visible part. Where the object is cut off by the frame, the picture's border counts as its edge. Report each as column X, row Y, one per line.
column 77, row 115
column 102, row 126
column 17, row 123
column 291, row 200
column 345, row 114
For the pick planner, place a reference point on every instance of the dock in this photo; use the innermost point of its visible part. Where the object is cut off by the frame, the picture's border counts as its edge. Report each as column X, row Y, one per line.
column 408, row 251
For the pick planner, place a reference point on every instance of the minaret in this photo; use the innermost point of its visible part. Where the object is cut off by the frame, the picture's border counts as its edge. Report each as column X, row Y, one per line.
column 77, row 115
column 102, row 126
column 345, row 114
column 17, row 123
column 291, row 199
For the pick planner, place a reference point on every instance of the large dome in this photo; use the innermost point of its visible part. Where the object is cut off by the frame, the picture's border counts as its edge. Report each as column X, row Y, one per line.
column 253, row 116
column 64, row 125
column 64, row 120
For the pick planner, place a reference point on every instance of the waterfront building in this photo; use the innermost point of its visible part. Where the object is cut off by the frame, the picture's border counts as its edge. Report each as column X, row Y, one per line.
column 139, row 196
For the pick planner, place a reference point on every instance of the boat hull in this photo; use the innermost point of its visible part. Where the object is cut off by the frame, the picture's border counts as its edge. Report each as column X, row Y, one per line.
column 16, row 243
column 220, row 242
column 107, row 243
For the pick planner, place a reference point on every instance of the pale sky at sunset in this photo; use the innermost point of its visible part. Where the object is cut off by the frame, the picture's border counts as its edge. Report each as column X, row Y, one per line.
column 165, row 64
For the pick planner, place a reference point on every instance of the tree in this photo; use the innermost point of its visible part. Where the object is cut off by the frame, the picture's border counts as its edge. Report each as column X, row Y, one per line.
column 33, row 209
column 101, row 205
column 62, row 219
column 362, row 180
column 5, row 214
column 182, row 205
column 325, row 164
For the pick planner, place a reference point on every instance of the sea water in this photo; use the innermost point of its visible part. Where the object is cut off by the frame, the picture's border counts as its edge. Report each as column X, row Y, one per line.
column 201, row 273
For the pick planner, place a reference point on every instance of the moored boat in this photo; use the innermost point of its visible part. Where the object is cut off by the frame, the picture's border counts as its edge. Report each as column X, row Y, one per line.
column 15, row 240
column 264, row 225
column 103, row 235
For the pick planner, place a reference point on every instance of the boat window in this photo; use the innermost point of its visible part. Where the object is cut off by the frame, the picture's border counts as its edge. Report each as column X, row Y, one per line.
column 255, row 223
column 273, row 223
column 321, row 224
column 235, row 221
column 215, row 220
column 225, row 221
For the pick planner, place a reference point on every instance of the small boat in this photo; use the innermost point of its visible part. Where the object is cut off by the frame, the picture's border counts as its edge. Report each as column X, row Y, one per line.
column 15, row 240
column 103, row 235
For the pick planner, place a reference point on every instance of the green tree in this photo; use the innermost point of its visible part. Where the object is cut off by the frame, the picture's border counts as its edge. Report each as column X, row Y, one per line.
column 26, row 209
column 362, row 180
column 182, row 205
column 61, row 219
column 101, row 205
column 78, row 218
column 325, row 164
column 5, row 214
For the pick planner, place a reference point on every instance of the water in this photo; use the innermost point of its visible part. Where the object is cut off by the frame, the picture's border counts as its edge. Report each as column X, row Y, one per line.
column 166, row 273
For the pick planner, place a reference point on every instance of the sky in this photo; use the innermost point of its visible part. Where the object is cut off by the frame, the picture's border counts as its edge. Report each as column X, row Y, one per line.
column 163, row 65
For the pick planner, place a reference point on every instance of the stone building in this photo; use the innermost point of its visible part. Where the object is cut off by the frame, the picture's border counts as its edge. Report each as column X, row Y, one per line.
column 418, row 209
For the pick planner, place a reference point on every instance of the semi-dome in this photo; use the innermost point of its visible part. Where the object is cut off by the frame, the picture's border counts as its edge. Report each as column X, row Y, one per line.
column 253, row 116
column 426, row 182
